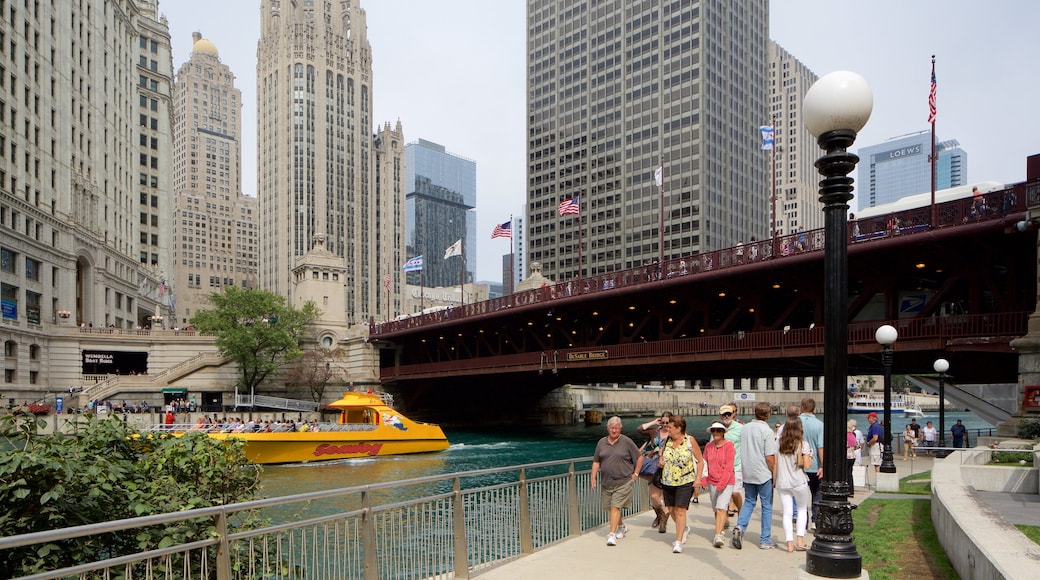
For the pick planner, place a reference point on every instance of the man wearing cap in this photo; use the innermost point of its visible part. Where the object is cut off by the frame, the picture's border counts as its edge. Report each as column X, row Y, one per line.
column 875, row 434
column 728, row 417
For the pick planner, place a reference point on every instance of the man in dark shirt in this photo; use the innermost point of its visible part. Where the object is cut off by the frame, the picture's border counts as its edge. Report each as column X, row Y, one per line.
column 916, row 429
column 957, row 432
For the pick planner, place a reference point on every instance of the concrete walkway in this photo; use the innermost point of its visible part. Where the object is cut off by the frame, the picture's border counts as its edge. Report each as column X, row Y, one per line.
column 645, row 554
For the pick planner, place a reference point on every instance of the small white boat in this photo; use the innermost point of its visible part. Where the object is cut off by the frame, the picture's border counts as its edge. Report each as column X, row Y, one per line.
column 875, row 403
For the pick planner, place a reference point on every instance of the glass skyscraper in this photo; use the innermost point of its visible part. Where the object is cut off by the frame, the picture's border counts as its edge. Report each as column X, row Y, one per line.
column 899, row 167
column 441, row 193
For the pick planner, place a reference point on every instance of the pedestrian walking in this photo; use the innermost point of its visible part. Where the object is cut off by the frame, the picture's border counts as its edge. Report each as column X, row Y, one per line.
column 618, row 460
column 794, row 454
column 681, row 464
column 720, row 477
column 758, row 461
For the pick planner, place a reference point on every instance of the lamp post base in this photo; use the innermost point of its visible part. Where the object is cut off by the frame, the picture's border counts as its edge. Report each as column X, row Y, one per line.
column 833, row 553
column 888, row 482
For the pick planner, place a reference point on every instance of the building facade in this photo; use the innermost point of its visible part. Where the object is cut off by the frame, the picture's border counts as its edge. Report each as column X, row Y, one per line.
column 215, row 227
column 616, row 91
column 441, row 195
column 795, row 150
column 86, row 126
column 320, row 169
column 899, row 167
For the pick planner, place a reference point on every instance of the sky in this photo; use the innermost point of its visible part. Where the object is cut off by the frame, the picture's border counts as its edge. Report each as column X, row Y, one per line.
column 453, row 72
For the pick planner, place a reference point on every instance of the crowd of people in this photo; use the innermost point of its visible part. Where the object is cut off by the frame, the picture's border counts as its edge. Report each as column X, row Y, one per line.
column 739, row 468
column 236, row 425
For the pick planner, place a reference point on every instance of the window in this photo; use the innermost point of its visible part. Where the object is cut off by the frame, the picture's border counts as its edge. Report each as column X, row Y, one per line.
column 32, row 269
column 9, row 296
column 7, row 260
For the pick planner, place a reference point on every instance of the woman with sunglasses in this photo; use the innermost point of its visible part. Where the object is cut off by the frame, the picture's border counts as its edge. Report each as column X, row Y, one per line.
column 681, row 464
column 719, row 456
column 657, row 431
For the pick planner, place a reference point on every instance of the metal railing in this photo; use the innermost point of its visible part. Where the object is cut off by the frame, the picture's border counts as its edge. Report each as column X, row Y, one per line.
column 440, row 526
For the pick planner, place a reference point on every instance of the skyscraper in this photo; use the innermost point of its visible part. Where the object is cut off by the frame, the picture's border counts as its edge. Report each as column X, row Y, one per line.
column 320, row 168
column 214, row 226
column 441, row 195
column 618, row 90
column 797, row 204
column 899, row 167
column 83, row 103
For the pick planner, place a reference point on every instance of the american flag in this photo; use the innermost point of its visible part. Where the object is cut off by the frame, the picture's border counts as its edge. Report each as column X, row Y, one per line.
column 387, row 282
column 162, row 288
column 570, row 206
column 931, row 100
column 503, row 230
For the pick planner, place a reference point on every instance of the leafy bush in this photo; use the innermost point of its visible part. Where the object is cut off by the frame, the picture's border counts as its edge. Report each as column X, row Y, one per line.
column 1029, row 429
column 109, row 471
column 1012, row 457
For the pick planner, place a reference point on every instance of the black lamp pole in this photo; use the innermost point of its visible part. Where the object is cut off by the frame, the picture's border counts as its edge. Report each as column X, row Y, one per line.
column 835, row 109
column 886, row 336
column 941, row 366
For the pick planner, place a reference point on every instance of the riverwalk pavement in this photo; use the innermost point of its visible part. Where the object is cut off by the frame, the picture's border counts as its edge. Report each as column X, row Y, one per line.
column 644, row 553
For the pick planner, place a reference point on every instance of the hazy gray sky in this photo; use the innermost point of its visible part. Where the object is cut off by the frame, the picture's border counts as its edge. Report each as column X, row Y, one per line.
column 453, row 72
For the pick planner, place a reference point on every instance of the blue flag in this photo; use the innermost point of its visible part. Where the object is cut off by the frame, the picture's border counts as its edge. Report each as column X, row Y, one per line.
column 414, row 265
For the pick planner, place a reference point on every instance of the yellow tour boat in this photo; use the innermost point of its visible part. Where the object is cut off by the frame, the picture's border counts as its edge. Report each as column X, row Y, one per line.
column 366, row 427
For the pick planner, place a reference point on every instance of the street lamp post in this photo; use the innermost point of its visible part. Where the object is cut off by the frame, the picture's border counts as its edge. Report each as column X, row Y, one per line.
column 942, row 365
column 836, row 107
column 886, row 336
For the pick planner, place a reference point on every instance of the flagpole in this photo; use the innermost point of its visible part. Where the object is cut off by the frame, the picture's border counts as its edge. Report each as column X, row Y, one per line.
column 462, row 272
column 512, row 256
column 660, row 232
column 579, row 240
column 773, row 156
column 931, row 158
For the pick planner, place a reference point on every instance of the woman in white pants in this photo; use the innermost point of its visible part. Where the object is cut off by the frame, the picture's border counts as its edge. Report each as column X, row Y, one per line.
column 794, row 455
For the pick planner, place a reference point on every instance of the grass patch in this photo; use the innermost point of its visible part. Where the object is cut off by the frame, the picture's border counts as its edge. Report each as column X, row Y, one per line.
column 897, row 540
column 1012, row 458
column 918, row 483
column 1031, row 532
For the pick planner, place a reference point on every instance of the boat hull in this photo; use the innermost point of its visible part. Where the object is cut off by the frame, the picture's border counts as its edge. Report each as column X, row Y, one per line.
column 297, row 447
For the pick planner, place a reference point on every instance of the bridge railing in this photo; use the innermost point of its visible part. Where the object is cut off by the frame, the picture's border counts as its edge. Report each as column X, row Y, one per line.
column 990, row 206
column 436, row 526
column 939, row 328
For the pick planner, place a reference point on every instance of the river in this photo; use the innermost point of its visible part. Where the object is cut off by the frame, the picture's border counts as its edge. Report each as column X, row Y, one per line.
column 508, row 446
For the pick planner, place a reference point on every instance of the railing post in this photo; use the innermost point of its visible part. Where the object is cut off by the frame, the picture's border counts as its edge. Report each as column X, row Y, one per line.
column 573, row 514
column 459, row 531
column 526, row 540
column 368, row 538
column 223, row 549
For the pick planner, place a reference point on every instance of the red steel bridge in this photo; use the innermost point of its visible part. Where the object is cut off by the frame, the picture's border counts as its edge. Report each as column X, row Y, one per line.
column 961, row 290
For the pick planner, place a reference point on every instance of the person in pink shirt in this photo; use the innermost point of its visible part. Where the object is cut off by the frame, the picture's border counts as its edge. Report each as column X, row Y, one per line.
column 719, row 455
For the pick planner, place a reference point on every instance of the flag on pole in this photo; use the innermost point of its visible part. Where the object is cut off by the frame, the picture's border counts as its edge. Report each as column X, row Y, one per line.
column 162, row 288
column 454, row 249
column 503, row 230
column 413, row 265
column 767, row 137
column 659, row 176
column 570, row 206
column 931, row 100
column 387, row 282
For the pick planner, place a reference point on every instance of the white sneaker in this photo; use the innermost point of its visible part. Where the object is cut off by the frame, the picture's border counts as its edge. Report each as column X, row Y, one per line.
column 611, row 539
column 621, row 531
column 719, row 540
column 677, row 547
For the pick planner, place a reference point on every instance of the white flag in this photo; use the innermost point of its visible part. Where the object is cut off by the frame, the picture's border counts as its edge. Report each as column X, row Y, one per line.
column 454, row 250
column 767, row 137
column 659, row 176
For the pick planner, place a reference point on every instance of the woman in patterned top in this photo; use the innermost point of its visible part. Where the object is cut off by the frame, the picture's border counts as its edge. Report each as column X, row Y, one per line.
column 682, row 464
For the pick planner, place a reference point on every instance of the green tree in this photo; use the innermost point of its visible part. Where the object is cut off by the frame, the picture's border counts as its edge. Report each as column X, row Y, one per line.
column 109, row 471
column 256, row 329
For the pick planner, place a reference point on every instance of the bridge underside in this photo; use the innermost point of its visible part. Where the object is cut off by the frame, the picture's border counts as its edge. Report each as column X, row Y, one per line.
column 960, row 293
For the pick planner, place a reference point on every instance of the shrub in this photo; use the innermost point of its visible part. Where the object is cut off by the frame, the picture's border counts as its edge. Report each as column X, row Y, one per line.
column 1012, row 457
column 1029, row 429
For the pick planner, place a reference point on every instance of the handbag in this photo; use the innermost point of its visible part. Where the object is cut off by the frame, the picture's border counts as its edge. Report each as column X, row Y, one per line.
column 656, row 479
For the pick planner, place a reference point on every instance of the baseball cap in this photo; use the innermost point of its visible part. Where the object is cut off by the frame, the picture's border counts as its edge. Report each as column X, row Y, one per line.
column 716, row 425
column 727, row 409
column 872, row 414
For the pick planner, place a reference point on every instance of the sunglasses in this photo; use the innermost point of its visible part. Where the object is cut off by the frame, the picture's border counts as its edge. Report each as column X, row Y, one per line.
column 718, row 430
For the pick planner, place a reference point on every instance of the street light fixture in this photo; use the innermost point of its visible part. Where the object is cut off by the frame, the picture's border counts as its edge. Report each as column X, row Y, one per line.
column 836, row 107
column 942, row 365
column 886, row 336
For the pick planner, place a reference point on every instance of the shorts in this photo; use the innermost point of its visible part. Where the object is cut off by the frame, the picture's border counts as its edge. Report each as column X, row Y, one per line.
column 720, row 499
column 678, row 496
column 875, row 454
column 617, row 497
column 738, row 484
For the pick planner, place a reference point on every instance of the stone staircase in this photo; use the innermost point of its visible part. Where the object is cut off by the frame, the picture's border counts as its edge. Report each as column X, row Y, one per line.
column 117, row 384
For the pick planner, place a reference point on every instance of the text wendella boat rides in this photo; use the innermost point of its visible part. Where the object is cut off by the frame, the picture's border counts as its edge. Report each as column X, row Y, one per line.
column 367, row 426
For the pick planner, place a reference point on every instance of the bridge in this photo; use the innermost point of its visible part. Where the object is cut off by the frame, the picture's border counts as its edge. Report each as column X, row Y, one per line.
column 962, row 290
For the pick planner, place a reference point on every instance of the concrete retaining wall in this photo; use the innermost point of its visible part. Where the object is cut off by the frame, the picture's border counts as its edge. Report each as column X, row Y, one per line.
column 979, row 542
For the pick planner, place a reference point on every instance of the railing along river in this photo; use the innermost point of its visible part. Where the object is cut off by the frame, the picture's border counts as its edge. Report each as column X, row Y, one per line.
column 449, row 525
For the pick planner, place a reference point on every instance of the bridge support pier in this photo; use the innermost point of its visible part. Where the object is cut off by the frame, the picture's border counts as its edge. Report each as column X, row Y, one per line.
column 1028, row 348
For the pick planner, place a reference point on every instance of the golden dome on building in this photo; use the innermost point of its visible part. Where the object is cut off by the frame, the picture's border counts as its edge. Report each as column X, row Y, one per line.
column 203, row 46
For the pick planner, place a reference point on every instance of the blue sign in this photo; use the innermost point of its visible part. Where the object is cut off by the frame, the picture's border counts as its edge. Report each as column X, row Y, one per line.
column 9, row 309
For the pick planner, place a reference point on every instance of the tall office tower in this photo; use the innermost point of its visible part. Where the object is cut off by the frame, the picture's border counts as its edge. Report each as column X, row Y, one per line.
column 617, row 90
column 899, row 167
column 214, row 226
column 73, row 171
column 321, row 169
column 441, row 190
column 795, row 149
